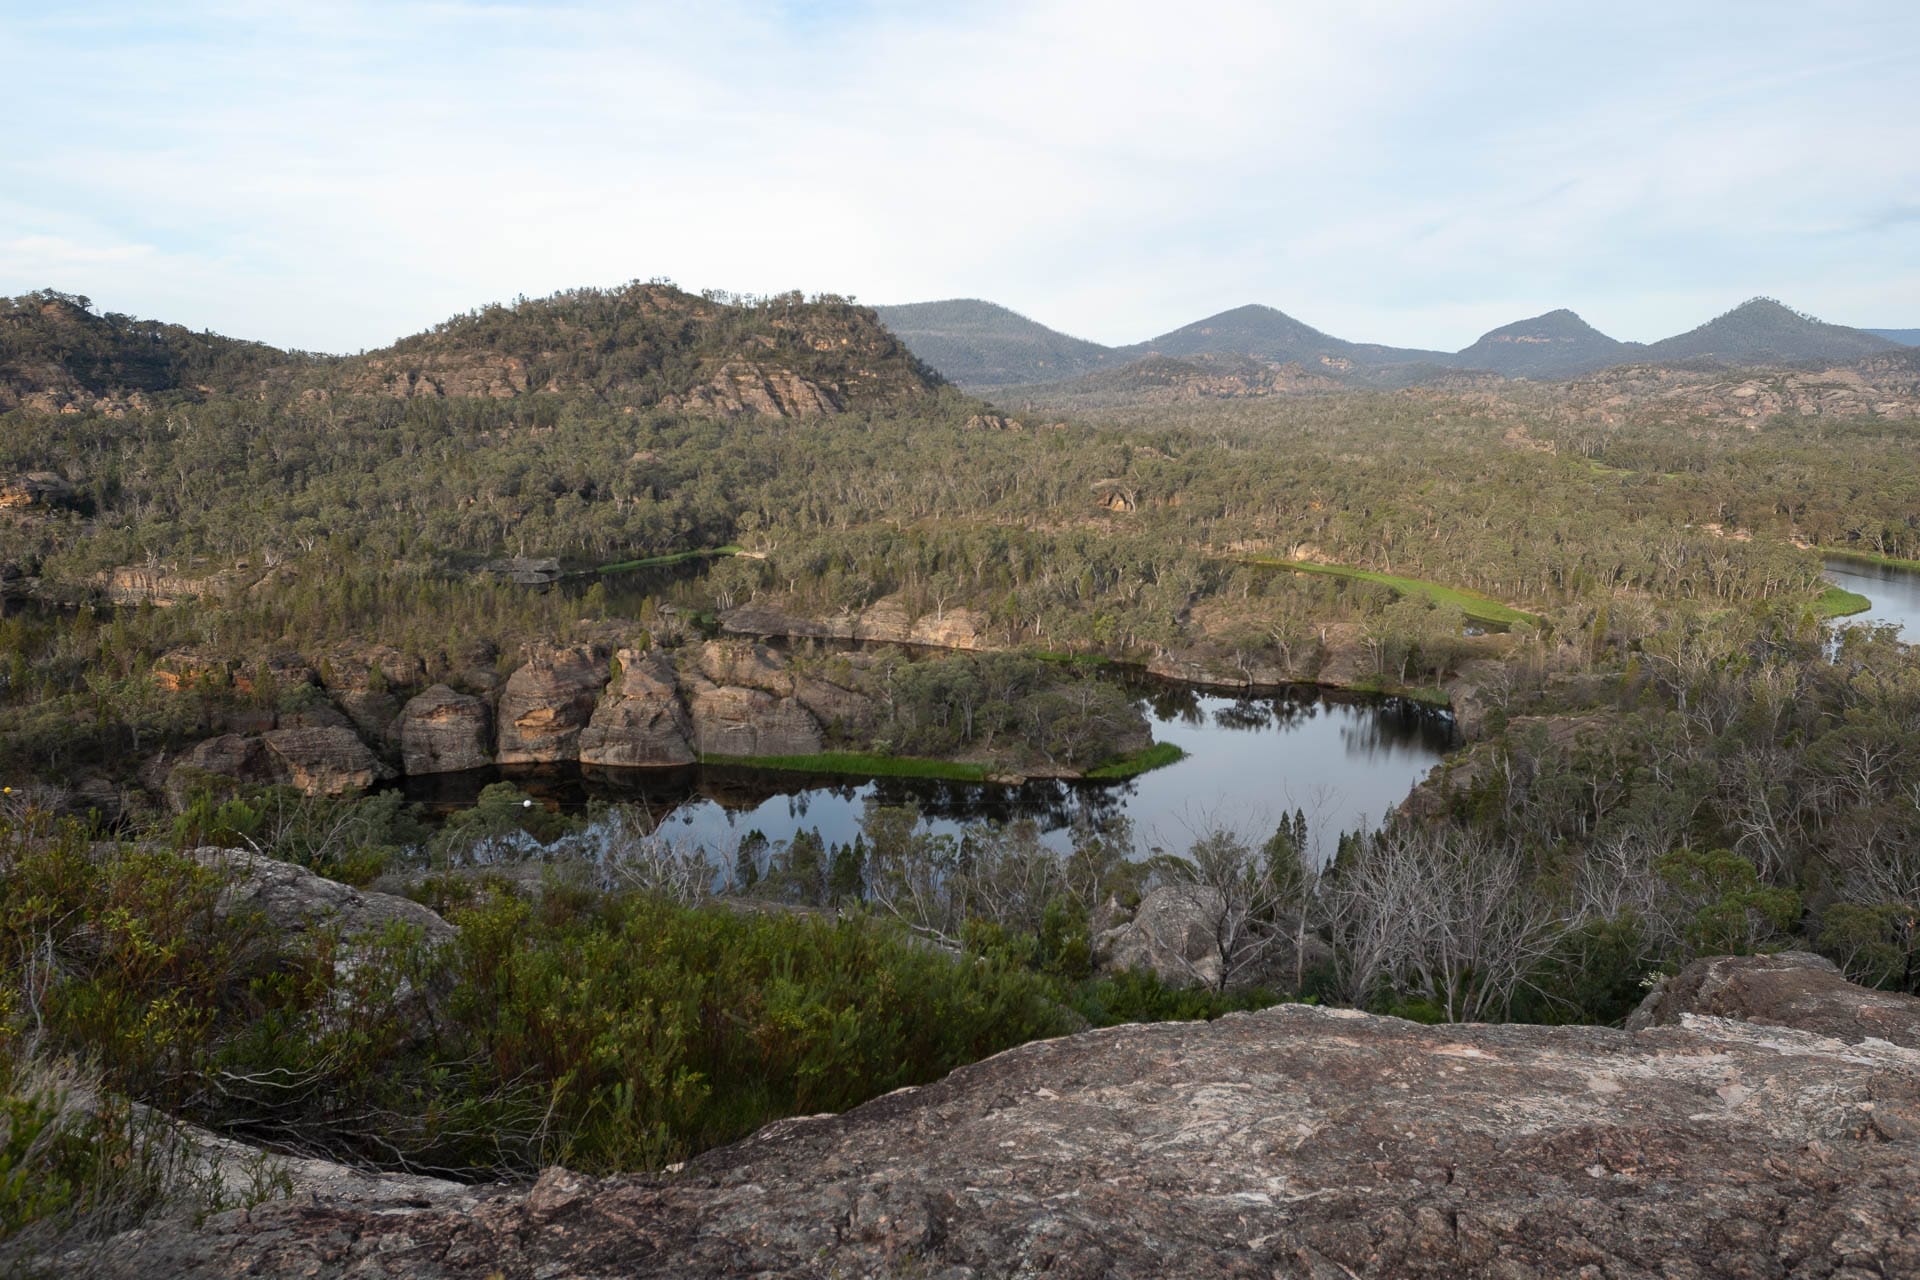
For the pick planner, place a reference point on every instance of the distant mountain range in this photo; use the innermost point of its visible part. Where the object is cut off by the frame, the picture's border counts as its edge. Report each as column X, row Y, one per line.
column 980, row 344
column 993, row 345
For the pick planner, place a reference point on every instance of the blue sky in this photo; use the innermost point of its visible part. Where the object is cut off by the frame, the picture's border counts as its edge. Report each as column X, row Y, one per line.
column 334, row 175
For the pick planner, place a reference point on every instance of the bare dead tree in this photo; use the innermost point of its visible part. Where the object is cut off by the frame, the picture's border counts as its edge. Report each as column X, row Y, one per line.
column 632, row 856
column 1451, row 917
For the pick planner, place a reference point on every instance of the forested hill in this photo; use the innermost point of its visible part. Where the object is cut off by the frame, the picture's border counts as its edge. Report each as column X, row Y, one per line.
column 978, row 343
column 1905, row 337
column 641, row 345
column 56, row 352
column 649, row 344
column 1270, row 334
column 1558, row 344
column 1762, row 330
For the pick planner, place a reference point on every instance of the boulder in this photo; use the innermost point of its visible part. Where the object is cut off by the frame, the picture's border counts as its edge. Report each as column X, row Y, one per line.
column 547, row 703
column 1791, row 989
column 641, row 723
column 1294, row 1142
column 232, row 755
column 295, row 900
column 221, row 764
column 325, row 761
column 442, row 731
column 732, row 721
column 1174, row 934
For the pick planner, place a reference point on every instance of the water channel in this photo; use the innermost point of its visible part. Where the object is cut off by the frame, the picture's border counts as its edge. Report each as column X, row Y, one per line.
column 1344, row 760
column 1895, row 594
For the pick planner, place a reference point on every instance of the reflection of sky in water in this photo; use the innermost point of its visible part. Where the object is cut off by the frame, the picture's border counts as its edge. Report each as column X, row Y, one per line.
column 1250, row 762
column 1895, row 594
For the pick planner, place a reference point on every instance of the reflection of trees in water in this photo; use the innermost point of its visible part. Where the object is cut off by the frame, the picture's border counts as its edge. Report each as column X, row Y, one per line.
column 1371, row 729
column 1170, row 703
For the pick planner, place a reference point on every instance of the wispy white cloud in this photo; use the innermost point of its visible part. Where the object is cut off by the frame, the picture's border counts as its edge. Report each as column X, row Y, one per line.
column 331, row 175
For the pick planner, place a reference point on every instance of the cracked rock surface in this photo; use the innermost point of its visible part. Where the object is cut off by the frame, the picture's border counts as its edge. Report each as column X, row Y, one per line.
column 1296, row 1142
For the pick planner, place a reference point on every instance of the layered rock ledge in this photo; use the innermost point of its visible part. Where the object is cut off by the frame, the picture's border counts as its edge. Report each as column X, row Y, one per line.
column 1293, row 1142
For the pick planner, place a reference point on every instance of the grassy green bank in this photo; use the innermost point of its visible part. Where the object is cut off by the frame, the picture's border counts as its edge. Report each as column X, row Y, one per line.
column 1479, row 608
column 1838, row 602
column 868, row 765
column 655, row 562
column 1869, row 557
column 1135, row 763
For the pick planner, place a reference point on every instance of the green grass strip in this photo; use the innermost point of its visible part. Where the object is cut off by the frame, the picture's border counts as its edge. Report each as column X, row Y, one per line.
column 1476, row 606
column 1838, row 602
column 1135, row 763
column 859, row 763
column 1869, row 557
column 676, row 557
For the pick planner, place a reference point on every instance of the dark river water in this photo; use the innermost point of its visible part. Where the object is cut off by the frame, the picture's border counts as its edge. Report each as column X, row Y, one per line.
column 1342, row 760
column 1895, row 594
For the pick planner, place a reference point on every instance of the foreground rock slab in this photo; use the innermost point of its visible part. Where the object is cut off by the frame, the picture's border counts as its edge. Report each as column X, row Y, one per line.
column 1293, row 1142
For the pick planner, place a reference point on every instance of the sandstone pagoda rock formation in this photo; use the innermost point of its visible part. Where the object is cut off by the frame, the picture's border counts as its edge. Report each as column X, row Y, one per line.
column 217, row 766
column 34, row 489
column 445, row 732
column 325, row 761
column 730, row 720
column 641, row 722
column 1295, row 1142
column 841, row 711
column 751, row 666
column 547, row 703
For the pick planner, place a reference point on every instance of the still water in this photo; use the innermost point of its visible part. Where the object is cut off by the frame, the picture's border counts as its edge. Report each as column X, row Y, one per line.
column 1895, row 594
column 1342, row 760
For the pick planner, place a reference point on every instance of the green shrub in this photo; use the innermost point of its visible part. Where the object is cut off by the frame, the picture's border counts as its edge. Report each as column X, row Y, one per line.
column 1139, row 996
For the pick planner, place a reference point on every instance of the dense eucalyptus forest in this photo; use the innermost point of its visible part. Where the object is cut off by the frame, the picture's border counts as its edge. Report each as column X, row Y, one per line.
column 1668, row 748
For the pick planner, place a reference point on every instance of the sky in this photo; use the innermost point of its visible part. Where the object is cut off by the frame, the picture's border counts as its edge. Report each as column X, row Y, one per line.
column 331, row 176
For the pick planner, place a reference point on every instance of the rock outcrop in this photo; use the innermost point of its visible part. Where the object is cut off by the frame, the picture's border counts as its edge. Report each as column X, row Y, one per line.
column 35, row 489
column 730, row 720
column 1791, row 989
column 445, row 732
column 296, row 901
column 237, row 757
column 745, row 387
column 1175, row 934
column 325, row 761
column 642, row 722
column 547, row 703
column 1192, row 935
column 750, row 666
column 1295, row 1142
column 885, row 621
